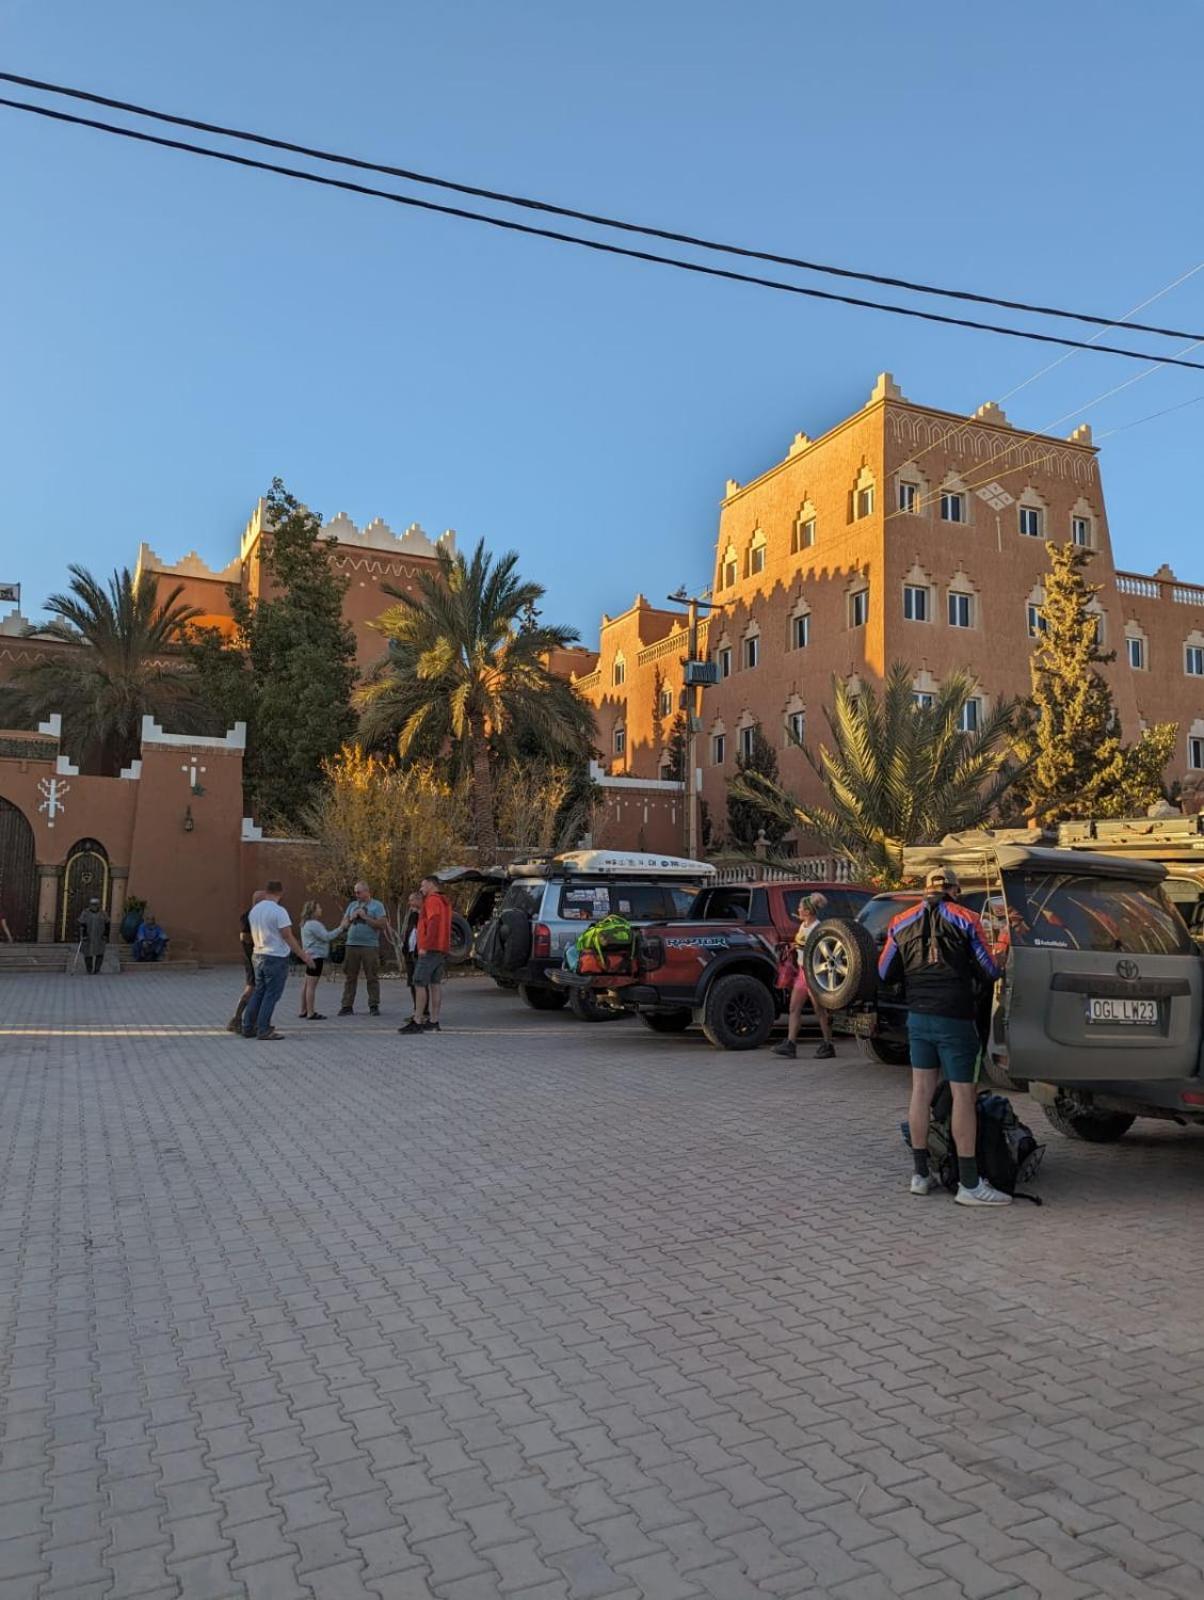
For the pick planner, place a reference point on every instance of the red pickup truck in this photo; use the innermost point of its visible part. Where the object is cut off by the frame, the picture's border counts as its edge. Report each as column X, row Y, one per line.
column 717, row 967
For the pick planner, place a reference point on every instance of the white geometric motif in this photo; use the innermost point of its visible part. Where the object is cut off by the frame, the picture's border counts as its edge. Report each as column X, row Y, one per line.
column 52, row 791
column 996, row 496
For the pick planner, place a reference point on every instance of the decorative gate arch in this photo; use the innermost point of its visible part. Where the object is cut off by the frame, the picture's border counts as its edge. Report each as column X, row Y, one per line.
column 18, row 874
column 85, row 874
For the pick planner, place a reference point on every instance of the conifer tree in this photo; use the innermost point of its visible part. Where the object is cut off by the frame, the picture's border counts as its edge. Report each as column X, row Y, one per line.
column 747, row 816
column 1079, row 765
column 290, row 668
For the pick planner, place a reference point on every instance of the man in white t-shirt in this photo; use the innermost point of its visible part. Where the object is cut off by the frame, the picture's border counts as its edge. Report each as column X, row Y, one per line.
column 272, row 938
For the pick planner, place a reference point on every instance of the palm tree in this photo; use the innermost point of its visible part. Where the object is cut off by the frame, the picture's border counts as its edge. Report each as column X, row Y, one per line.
column 116, row 675
column 466, row 677
column 899, row 773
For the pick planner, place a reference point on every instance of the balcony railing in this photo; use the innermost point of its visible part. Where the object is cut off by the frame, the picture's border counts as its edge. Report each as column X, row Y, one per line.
column 1183, row 594
column 591, row 680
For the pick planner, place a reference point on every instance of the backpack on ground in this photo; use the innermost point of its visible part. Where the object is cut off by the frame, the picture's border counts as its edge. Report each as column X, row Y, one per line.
column 1007, row 1152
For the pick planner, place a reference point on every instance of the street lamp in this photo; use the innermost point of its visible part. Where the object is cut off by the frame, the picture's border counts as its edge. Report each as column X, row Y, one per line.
column 697, row 675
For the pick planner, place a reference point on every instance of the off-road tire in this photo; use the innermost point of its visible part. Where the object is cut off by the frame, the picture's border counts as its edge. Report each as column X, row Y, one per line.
column 840, row 963
column 890, row 1052
column 739, row 1012
column 513, row 940
column 542, row 999
column 586, row 1006
column 461, row 940
column 1077, row 1121
column 667, row 1021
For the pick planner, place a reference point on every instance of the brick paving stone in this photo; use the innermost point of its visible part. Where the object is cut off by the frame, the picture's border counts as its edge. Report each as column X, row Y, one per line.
column 560, row 1311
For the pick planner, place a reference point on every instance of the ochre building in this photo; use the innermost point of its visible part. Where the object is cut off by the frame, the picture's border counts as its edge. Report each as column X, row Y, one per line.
column 904, row 533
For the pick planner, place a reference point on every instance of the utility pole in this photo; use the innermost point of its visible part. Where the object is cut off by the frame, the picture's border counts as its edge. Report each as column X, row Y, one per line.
column 696, row 675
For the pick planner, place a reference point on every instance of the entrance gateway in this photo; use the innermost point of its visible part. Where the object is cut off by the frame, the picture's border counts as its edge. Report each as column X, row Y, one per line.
column 18, row 874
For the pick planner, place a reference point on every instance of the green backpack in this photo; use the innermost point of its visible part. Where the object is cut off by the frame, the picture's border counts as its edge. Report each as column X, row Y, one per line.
column 611, row 934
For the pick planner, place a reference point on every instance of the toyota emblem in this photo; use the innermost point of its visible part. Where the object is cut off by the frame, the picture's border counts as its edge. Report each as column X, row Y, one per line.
column 1128, row 969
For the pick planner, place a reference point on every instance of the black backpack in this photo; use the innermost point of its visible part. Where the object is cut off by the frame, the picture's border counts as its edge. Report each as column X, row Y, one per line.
column 1008, row 1154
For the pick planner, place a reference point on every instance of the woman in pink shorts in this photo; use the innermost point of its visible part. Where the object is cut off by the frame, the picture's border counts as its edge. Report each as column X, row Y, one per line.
column 810, row 908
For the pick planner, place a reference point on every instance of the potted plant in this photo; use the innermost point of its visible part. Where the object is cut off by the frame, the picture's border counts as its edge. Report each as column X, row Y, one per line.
column 131, row 918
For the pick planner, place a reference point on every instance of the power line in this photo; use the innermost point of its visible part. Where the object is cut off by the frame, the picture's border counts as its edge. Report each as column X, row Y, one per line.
column 589, row 244
column 551, row 209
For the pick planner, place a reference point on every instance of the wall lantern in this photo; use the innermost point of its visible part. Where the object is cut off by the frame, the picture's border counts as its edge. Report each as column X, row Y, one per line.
column 189, row 824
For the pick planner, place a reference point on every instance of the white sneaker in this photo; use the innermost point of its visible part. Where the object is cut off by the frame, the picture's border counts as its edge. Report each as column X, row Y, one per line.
column 923, row 1185
column 982, row 1195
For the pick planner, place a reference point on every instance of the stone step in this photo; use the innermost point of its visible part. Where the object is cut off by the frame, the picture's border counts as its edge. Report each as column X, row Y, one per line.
column 59, row 958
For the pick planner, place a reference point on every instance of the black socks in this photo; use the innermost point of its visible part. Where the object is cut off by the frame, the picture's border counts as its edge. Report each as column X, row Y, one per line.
column 919, row 1160
column 967, row 1172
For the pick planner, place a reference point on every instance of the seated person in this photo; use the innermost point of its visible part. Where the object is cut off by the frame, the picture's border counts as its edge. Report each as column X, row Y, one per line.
column 150, row 941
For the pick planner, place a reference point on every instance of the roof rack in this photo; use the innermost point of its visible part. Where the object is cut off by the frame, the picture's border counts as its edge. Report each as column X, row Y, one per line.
column 612, row 864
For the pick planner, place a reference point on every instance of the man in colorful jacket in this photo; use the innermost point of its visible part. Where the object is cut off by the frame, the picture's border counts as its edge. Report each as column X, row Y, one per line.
column 938, row 950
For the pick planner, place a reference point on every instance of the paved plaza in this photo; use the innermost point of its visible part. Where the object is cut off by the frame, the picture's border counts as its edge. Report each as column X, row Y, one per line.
column 551, row 1311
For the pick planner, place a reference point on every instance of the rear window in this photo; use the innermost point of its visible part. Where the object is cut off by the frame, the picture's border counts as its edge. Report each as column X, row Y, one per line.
column 876, row 915
column 726, row 903
column 642, row 902
column 524, row 895
column 1073, row 911
column 841, row 902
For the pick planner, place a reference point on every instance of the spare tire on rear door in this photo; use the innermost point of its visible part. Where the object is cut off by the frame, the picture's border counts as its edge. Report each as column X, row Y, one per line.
column 513, row 946
column 840, row 962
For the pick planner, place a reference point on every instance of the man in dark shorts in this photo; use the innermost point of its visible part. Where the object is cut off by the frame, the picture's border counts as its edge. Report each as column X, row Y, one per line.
column 433, row 944
column 244, row 938
column 939, row 951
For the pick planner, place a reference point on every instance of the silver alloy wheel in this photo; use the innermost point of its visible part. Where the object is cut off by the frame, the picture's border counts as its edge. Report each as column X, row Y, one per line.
column 830, row 963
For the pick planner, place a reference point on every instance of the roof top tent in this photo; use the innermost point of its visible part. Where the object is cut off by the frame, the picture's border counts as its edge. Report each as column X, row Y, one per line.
column 612, row 864
column 1161, row 838
column 980, row 857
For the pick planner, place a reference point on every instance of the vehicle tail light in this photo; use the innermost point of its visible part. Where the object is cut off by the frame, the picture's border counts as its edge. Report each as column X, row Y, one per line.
column 1192, row 1097
column 650, row 952
column 541, row 941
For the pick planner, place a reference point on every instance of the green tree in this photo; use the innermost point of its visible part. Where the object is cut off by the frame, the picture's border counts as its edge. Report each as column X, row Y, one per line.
column 289, row 670
column 898, row 773
column 466, row 678
column 678, row 748
column 1079, row 765
column 747, row 816
column 126, row 664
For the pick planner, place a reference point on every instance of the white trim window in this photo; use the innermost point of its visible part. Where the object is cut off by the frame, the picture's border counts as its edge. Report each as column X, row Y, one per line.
column 620, row 741
column 1036, row 620
column 923, row 699
column 909, row 497
column 1080, row 532
column 961, row 609
column 666, row 703
column 1195, row 753
column 859, row 608
column 619, row 672
column 865, row 502
column 804, row 535
column 1135, row 649
column 953, row 506
column 730, row 573
column 1030, row 521
column 1193, row 660
column 723, row 659
column 800, row 631
column 718, row 749
column 915, row 602
column 751, row 651
column 748, row 736
column 970, row 717
column 756, row 557
column 796, row 727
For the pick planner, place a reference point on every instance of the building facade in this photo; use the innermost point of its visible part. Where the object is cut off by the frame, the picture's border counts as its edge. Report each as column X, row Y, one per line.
column 904, row 533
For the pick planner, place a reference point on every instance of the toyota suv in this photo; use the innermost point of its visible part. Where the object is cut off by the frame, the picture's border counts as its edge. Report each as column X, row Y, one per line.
column 525, row 916
column 1100, row 1008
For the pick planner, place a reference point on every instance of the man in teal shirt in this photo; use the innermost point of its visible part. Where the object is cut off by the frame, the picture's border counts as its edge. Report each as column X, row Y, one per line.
column 363, row 919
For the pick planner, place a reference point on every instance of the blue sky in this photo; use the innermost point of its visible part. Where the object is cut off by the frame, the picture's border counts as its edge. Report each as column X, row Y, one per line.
column 175, row 332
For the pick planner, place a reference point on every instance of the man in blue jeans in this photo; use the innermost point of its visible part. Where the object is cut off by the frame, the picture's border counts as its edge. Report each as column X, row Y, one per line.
column 938, row 949
column 272, row 938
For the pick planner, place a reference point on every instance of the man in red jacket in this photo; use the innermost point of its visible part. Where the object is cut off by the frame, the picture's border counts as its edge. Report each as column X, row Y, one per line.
column 433, row 945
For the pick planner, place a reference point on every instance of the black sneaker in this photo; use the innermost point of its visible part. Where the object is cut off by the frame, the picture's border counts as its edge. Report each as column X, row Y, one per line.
column 374, row 1011
column 431, row 1027
column 786, row 1048
column 413, row 1026
column 825, row 1051
column 345, row 1011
